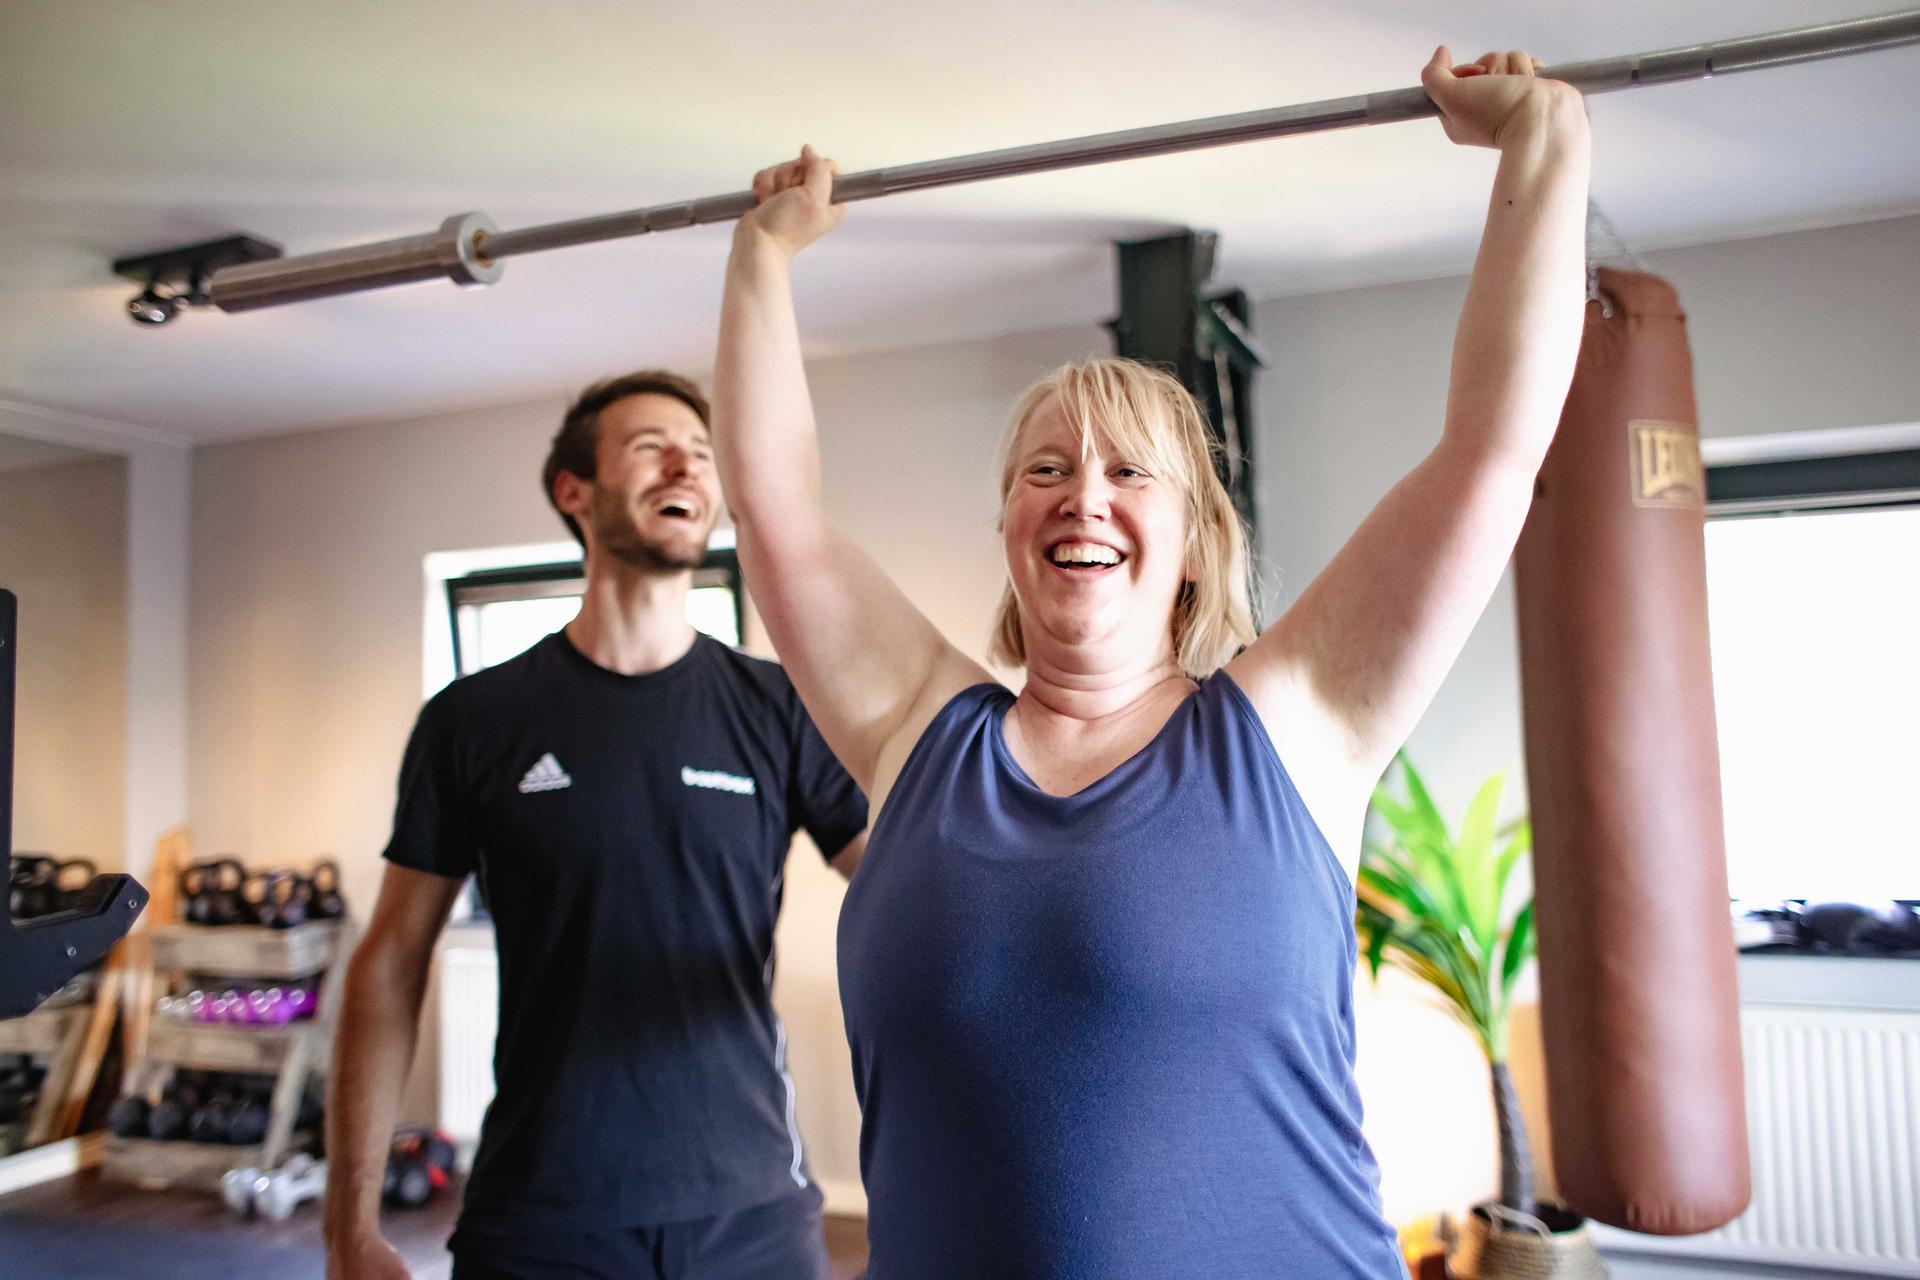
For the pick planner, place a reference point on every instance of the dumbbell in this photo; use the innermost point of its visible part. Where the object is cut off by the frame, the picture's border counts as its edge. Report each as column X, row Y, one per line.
column 275, row 1195
column 236, row 1188
column 419, row 1163
column 263, row 1006
column 324, row 882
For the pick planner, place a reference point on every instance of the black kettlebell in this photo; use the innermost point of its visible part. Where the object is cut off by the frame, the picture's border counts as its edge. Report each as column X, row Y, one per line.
column 312, row 1109
column 324, row 885
column 167, row 1120
column 190, row 1088
column 30, row 885
column 277, row 898
column 212, row 891
column 15, row 1099
column 256, row 896
column 70, row 881
column 211, row 1121
column 248, row 1124
column 129, row 1116
column 21, row 1076
column 193, row 892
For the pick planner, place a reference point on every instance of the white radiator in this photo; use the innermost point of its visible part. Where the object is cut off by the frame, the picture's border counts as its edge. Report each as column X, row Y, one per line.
column 469, row 1016
column 1833, row 1125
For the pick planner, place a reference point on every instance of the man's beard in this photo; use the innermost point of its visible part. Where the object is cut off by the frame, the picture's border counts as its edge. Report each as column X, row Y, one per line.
column 617, row 534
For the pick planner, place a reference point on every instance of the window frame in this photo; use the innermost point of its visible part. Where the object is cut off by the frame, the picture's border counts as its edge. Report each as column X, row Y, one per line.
column 720, row 567
column 1812, row 473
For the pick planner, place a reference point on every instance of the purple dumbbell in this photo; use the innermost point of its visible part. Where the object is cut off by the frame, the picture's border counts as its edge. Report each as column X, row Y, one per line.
column 270, row 1007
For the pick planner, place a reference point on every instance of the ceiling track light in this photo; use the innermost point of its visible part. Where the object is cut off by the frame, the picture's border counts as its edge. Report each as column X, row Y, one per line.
column 175, row 279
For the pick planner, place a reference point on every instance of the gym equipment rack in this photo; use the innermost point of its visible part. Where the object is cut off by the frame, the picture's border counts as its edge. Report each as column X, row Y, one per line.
column 292, row 1053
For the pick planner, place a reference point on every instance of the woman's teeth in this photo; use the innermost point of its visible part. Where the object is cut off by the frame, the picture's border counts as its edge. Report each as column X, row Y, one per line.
column 1084, row 554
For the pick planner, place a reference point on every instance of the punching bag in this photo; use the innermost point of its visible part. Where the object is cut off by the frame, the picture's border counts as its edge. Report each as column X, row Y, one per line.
column 1639, row 1005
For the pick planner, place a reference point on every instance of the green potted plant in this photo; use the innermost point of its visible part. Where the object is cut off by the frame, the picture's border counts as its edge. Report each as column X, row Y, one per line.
column 1433, row 901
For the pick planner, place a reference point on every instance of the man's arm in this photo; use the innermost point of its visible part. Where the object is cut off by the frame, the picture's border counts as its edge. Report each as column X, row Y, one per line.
column 372, row 1053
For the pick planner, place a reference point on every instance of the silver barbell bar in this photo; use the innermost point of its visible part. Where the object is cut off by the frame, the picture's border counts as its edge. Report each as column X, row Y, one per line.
column 469, row 250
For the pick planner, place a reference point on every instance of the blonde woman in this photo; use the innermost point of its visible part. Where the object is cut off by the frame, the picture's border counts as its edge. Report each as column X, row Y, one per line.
column 1097, row 963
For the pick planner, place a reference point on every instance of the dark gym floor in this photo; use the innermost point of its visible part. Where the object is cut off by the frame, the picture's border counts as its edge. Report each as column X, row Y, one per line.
column 87, row 1228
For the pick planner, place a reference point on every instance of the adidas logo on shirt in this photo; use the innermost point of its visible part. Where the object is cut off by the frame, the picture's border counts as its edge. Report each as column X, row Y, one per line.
column 714, row 780
column 546, row 775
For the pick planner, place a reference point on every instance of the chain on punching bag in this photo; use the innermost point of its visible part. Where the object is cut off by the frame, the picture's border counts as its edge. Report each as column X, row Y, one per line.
column 1638, row 1003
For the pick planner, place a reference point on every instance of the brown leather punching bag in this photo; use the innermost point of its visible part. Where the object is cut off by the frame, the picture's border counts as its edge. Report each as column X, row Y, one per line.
column 1638, row 1001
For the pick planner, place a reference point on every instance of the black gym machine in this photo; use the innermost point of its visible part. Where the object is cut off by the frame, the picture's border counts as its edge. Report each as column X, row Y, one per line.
column 40, row 955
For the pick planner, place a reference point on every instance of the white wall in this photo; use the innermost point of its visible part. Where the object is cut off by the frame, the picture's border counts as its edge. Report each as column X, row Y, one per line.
column 307, row 588
column 63, row 552
column 153, row 780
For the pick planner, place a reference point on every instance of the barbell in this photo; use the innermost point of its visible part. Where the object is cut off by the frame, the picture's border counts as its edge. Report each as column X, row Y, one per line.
column 469, row 250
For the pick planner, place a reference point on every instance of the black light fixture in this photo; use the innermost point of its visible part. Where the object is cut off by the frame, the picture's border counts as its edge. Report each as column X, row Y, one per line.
column 177, row 278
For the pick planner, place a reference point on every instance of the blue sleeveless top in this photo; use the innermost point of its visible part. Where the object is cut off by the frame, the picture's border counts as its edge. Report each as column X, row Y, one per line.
column 1108, row 1035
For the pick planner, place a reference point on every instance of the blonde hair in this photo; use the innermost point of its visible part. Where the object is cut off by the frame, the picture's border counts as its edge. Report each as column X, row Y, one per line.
column 1141, row 412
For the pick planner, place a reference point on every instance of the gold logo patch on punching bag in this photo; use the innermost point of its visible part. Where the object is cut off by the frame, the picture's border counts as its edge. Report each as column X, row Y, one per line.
column 1666, row 465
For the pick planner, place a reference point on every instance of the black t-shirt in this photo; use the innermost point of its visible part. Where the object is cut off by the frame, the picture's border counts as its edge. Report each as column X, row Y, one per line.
column 629, row 833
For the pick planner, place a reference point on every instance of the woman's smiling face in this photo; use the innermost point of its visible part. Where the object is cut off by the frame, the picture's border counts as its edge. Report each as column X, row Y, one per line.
column 1095, row 540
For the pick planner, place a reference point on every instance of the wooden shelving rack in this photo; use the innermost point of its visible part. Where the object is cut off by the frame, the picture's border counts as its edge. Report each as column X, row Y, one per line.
column 291, row 1053
column 61, row 1034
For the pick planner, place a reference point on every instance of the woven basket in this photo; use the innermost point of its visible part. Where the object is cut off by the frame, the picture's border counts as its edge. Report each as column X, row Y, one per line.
column 1519, row 1246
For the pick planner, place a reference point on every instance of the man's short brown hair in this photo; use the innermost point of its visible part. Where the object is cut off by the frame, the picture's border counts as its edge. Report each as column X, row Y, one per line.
column 574, row 445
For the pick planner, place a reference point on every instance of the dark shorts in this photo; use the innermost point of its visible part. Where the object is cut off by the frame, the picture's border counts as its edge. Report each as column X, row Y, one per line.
column 780, row 1240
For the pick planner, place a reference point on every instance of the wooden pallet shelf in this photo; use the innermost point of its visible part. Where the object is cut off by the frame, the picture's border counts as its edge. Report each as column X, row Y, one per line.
column 58, row 1034
column 210, row 1047
column 246, row 951
column 291, row 1053
column 43, row 1030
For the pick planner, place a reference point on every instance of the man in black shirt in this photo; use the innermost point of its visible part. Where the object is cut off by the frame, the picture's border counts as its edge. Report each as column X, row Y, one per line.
column 625, row 791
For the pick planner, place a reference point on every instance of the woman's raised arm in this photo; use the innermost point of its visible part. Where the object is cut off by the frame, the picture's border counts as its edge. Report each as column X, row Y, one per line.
column 1343, row 676
column 870, row 667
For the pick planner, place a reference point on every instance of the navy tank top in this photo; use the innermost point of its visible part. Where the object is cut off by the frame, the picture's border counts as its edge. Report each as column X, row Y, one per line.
column 1111, row 1034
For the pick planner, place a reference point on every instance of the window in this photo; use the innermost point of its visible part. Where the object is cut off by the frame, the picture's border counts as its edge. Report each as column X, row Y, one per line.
column 1813, row 573
column 499, row 613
